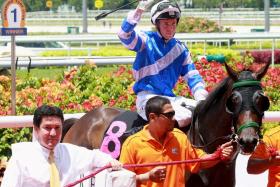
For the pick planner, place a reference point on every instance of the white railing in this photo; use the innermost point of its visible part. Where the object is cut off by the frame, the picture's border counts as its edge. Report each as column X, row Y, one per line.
column 184, row 37
column 113, row 38
column 65, row 61
column 214, row 12
column 26, row 121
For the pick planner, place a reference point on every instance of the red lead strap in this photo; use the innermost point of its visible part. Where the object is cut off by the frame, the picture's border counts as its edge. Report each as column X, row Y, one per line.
column 272, row 151
column 217, row 155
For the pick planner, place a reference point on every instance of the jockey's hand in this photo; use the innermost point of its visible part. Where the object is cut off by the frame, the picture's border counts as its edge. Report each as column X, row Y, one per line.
column 144, row 4
column 116, row 165
column 227, row 150
column 158, row 174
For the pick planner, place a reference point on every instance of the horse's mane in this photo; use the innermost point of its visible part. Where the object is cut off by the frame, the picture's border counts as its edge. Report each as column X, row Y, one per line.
column 214, row 96
column 204, row 106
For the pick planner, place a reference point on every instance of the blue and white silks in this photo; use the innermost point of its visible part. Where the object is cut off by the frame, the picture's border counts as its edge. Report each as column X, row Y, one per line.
column 158, row 63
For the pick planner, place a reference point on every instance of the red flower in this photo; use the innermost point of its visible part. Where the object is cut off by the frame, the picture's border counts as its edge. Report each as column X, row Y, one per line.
column 133, row 108
column 39, row 101
column 112, row 102
column 240, row 66
column 120, row 71
column 87, row 105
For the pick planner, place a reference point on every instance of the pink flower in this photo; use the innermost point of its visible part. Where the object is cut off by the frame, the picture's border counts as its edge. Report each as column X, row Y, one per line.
column 87, row 105
column 39, row 101
column 112, row 102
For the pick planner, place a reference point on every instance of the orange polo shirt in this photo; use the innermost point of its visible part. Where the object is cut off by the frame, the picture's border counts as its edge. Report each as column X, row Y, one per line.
column 270, row 139
column 141, row 148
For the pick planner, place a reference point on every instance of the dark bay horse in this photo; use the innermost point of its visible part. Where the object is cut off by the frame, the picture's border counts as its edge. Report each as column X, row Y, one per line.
column 236, row 106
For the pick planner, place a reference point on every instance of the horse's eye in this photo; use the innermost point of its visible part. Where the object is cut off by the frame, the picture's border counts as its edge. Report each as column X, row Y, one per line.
column 234, row 102
column 236, row 99
column 260, row 101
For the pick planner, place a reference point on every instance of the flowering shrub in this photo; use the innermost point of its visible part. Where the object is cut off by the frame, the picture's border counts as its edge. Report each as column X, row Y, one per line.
column 5, row 96
column 196, row 25
column 265, row 56
column 83, row 89
column 112, row 89
column 271, row 83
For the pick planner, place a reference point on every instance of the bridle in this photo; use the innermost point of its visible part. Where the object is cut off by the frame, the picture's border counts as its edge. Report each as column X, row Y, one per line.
column 246, row 83
column 234, row 135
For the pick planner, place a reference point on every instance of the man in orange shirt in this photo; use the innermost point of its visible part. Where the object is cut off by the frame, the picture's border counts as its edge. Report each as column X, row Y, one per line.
column 262, row 158
column 160, row 142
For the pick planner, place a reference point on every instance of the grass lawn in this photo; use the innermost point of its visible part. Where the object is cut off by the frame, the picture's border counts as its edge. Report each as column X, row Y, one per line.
column 54, row 73
column 50, row 73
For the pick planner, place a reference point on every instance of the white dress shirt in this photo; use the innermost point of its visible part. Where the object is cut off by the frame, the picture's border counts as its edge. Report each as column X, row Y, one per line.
column 29, row 167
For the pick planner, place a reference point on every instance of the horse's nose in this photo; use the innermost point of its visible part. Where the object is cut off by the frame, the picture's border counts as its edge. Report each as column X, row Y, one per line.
column 248, row 144
column 248, row 141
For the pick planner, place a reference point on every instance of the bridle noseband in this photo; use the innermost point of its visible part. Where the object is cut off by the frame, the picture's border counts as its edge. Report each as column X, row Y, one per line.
column 247, row 125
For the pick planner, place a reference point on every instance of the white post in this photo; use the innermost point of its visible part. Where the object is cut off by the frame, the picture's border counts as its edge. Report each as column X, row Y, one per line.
column 267, row 17
column 13, row 71
column 85, row 23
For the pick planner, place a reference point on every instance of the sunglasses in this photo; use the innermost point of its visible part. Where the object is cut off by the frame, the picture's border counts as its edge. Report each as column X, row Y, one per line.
column 168, row 115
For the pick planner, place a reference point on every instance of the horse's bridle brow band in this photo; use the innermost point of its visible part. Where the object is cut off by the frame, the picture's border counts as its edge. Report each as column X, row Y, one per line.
column 246, row 125
column 246, row 83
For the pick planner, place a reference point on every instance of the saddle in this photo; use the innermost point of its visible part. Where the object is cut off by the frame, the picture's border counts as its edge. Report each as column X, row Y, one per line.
column 121, row 127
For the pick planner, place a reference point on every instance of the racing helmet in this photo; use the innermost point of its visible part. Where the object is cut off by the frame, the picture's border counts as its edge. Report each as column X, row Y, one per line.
column 165, row 10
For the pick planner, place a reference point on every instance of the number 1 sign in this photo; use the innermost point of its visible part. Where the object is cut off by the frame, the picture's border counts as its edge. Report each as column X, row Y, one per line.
column 13, row 18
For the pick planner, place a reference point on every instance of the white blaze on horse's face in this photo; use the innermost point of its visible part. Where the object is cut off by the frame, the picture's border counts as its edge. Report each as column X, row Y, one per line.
column 49, row 132
column 249, row 136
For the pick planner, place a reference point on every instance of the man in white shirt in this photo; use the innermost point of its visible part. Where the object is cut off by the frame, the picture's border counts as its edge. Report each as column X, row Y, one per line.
column 29, row 165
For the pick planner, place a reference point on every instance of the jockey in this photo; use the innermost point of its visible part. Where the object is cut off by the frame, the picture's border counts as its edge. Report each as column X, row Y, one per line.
column 161, row 59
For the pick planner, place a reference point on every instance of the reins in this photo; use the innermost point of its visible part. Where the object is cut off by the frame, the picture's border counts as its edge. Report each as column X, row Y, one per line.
column 233, row 137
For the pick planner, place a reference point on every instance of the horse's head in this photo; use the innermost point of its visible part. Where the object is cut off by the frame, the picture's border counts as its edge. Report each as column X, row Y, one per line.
column 247, row 104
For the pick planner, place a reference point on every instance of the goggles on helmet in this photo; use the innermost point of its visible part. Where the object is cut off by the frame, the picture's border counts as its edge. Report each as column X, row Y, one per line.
column 165, row 10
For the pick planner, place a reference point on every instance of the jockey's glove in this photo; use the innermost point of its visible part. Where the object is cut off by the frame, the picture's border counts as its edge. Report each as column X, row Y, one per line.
column 145, row 4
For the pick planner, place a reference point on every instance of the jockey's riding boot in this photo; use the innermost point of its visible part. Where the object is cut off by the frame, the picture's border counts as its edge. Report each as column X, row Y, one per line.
column 183, row 128
column 184, row 123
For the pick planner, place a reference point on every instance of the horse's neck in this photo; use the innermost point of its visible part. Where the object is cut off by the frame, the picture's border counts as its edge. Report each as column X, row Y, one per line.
column 210, row 120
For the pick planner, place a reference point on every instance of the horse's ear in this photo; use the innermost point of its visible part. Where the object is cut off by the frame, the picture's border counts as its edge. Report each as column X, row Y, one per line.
column 259, row 75
column 231, row 72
